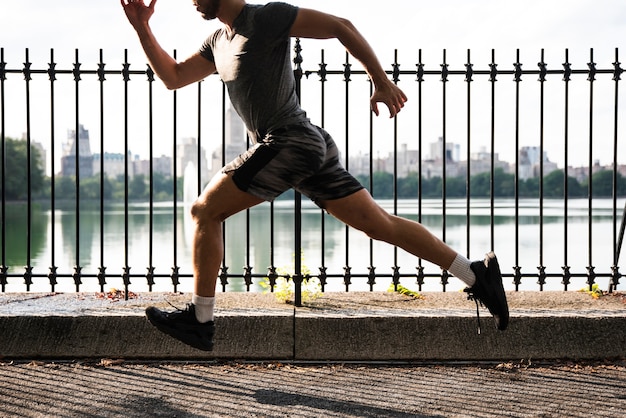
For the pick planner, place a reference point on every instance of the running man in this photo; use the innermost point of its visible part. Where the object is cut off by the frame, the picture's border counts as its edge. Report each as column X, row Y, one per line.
column 251, row 54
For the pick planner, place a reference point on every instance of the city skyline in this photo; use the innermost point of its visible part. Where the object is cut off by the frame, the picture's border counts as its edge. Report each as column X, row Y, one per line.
column 235, row 142
column 410, row 27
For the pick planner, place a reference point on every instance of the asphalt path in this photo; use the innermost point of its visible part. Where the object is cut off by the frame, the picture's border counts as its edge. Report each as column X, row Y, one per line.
column 112, row 388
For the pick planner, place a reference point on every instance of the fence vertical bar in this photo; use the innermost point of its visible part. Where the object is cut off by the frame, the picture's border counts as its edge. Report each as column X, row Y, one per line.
column 347, row 72
column 322, row 74
column 444, row 149
column 3, row 266
column 591, row 78
column 297, row 274
column 175, row 267
column 542, row 79
column 420, row 80
column 371, row 280
column 150, row 268
column 493, row 150
column 101, row 78
column 77, row 267
column 28, row 273
column 444, row 155
column 52, row 273
column 126, row 267
column 468, row 174
column 517, row 280
column 396, row 79
column 567, row 71
column 224, row 269
column 616, row 241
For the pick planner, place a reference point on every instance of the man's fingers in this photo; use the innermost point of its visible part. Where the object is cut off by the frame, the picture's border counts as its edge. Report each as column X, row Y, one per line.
column 374, row 107
column 394, row 99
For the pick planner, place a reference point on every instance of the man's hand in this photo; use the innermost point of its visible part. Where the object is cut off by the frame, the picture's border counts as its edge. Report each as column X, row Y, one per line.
column 137, row 12
column 389, row 94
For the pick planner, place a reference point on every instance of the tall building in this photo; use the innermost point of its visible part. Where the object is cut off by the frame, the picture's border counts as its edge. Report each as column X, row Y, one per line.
column 452, row 151
column 235, row 141
column 161, row 165
column 85, row 158
column 529, row 162
column 114, row 165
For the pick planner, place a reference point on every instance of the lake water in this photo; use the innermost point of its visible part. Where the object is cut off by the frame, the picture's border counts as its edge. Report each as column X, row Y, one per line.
column 336, row 248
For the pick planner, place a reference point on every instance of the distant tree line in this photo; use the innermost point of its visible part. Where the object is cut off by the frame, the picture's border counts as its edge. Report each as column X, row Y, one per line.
column 114, row 189
column 503, row 185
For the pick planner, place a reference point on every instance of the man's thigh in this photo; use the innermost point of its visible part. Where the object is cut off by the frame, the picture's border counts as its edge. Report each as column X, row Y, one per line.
column 222, row 198
column 358, row 210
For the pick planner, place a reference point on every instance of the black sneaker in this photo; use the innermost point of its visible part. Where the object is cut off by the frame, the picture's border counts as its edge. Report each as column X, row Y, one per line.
column 183, row 325
column 488, row 290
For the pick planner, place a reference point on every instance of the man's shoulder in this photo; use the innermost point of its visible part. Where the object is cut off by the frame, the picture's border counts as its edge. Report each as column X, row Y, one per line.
column 273, row 8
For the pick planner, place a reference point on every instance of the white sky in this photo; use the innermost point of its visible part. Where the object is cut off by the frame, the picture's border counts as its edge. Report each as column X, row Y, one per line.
column 406, row 25
column 453, row 24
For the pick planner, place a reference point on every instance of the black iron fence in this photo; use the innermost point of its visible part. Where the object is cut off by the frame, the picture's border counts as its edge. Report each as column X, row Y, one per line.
column 489, row 106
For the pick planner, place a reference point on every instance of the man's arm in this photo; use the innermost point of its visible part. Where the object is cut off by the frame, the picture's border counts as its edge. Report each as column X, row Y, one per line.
column 314, row 24
column 173, row 74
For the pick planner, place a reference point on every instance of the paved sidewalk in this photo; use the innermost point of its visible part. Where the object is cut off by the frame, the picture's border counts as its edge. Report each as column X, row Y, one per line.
column 109, row 388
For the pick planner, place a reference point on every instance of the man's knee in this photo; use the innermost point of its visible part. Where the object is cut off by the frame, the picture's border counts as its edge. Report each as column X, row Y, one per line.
column 376, row 224
column 220, row 200
column 204, row 210
column 379, row 230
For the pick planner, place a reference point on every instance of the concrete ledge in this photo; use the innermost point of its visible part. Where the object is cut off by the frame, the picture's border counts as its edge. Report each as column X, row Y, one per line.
column 456, row 339
column 335, row 327
column 132, row 337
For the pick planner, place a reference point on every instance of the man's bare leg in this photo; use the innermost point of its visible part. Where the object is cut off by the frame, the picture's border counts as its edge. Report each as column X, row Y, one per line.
column 194, row 325
column 483, row 278
column 361, row 212
column 220, row 200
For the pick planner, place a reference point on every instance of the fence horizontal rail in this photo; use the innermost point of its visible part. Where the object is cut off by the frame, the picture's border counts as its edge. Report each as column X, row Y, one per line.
column 531, row 109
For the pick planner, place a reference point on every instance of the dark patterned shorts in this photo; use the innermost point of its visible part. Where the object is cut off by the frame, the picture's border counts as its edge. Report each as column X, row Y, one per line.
column 303, row 157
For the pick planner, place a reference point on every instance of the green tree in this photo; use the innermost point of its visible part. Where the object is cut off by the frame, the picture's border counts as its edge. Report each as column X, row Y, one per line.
column 119, row 188
column 529, row 187
column 162, row 186
column 408, row 186
column 137, row 187
column 65, row 187
column 480, row 185
column 90, row 188
column 455, row 187
column 382, row 184
column 602, row 183
column 553, row 186
column 16, row 181
column 432, row 187
column 504, row 183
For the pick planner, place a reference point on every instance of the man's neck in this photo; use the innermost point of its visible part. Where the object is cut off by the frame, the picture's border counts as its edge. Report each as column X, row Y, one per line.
column 229, row 11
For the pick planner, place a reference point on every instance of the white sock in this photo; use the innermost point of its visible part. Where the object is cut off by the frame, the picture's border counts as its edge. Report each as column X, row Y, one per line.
column 204, row 308
column 460, row 268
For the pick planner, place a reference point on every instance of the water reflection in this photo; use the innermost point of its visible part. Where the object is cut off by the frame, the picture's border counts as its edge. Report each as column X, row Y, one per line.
column 16, row 251
column 257, row 239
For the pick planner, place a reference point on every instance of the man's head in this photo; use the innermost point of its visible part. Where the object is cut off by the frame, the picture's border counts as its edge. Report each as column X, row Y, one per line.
column 208, row 8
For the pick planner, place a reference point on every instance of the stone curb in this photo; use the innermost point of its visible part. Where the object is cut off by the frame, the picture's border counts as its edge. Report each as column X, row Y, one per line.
column 382, row 328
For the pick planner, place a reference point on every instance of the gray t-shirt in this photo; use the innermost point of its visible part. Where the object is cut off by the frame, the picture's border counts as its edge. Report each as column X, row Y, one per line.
column 254, row 63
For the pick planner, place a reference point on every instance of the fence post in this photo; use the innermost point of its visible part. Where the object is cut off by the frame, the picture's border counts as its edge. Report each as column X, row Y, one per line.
column 297, row 274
